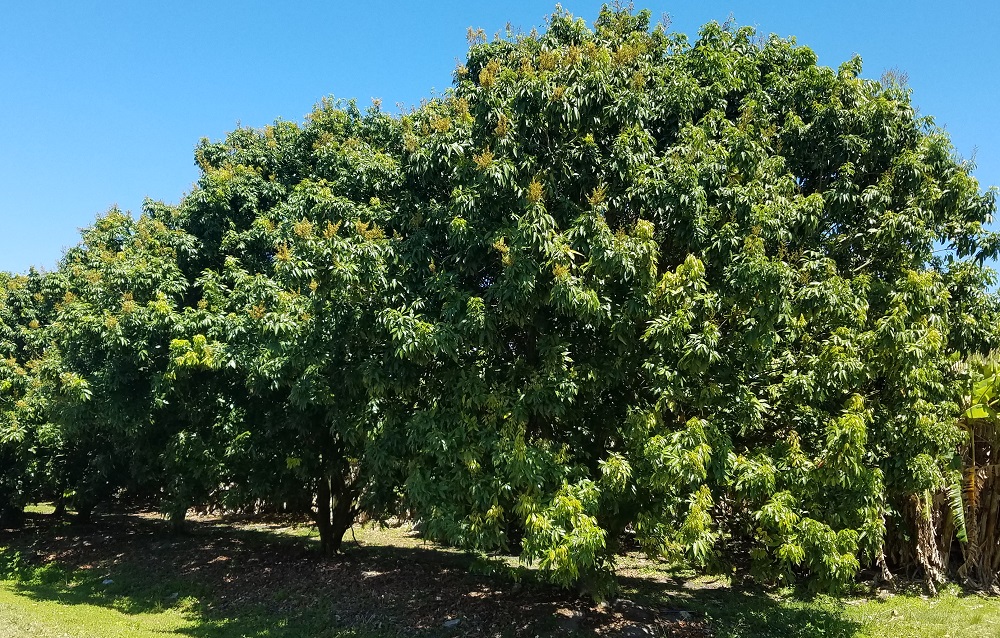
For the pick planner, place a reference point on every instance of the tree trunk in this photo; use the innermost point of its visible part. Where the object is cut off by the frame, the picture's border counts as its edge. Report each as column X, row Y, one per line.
column 60, row 511
column 84, row 513
column 342, row 516
column 323, row 510
column 11, row 516
column 334, row 514
column 928, row 556
column 947, row 537
column 177, row 516
column 971, row 569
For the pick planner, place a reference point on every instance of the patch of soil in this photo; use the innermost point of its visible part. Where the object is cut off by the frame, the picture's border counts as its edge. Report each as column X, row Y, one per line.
column 406, row 588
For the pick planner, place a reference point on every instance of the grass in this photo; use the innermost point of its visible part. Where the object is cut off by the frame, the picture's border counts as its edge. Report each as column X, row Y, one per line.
column 953, row 614
column 52, row 601
column 125, row 602
column 127, row 578
column 737, row 613
column 22, row 616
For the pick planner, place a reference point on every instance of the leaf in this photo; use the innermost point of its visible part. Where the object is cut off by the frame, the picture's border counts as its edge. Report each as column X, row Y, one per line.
column 957, row 506
column 980, row 411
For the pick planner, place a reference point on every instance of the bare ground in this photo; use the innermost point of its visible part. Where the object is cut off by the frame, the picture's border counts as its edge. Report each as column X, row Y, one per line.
column 389, row 582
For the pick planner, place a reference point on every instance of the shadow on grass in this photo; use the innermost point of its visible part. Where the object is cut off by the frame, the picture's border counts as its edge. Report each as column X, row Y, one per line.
column 742, row 612
column 267, row 581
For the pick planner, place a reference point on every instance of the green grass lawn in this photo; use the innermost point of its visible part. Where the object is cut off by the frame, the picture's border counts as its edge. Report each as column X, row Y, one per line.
column 127, row 602
column 50, row 600
column 953, row 614
column 23, row 615
column 127, row 578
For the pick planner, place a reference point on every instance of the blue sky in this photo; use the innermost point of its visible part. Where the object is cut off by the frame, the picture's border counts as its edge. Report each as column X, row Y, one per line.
column 101, row 103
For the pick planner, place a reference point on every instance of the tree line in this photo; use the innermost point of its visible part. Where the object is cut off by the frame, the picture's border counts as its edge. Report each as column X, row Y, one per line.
column 615, row 289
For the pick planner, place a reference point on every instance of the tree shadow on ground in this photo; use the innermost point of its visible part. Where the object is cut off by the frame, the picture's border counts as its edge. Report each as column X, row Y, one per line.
column 740, row 612
column 268, row 581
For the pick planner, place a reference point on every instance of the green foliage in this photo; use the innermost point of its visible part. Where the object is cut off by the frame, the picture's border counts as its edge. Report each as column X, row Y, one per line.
column 27, row 441
column 290, row 310
column 614, row 287
column 121, row 288
column 696, row 282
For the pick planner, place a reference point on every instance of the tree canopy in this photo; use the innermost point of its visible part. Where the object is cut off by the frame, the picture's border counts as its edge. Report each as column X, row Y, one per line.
column 616, row 288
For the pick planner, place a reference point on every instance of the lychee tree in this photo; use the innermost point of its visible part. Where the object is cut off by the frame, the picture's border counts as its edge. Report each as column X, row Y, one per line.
column 706, row 296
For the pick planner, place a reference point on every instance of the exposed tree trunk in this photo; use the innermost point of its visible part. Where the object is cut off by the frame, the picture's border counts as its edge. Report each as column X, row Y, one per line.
column 11, row 516
column 84, row 513
column 885, row 575
column 971, row 569
column 177, row 516
column 335, row 513
column 947, row 538
column 928, row 556
column 342, row 516
column 84, row 516
column 944, row 526
column 995, row 565
column 323, row 509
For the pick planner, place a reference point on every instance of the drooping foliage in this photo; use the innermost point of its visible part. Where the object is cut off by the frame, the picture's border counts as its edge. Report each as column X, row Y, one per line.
column 615, row 289
column 687, row 293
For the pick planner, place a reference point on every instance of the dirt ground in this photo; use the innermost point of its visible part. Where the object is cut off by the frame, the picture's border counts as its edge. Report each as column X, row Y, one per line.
column 389, row 580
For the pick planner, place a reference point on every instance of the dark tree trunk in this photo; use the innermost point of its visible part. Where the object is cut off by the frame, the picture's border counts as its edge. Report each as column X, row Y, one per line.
column 342, row 516
column 177, row 516
column 323, row 510
column 334, row 514
column 84, row 513
column 11, row 516
column 60, row 508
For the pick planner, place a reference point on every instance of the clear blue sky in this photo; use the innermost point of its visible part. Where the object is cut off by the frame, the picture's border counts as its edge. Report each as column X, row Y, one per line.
column 101, row 103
